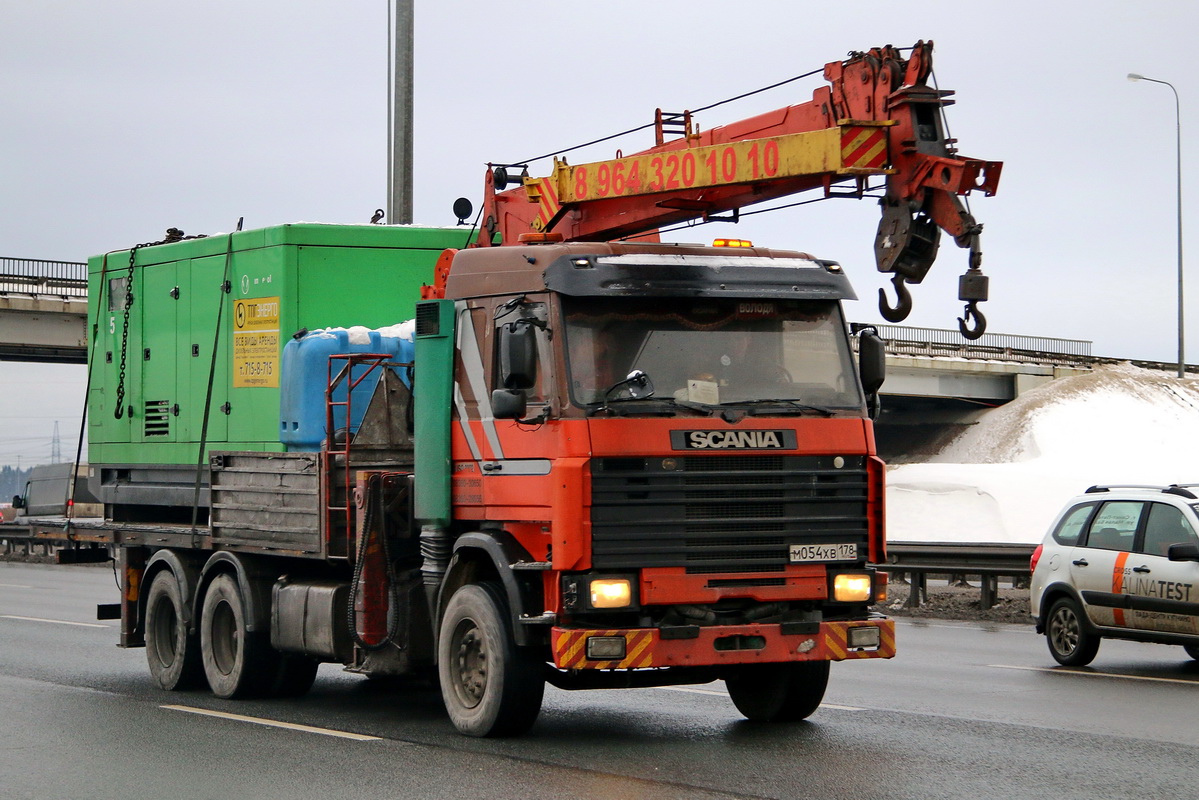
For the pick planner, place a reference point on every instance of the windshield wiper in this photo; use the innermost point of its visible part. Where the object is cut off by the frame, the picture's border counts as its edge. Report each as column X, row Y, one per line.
column 789, row 407
column 669, row 402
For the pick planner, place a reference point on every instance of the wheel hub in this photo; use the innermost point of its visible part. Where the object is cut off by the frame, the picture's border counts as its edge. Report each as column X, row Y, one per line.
column 471, row 667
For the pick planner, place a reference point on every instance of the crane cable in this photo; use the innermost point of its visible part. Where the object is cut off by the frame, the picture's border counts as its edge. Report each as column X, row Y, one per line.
column 651, row 124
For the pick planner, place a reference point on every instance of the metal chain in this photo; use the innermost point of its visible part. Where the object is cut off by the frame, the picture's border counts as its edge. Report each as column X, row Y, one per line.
column 173, row 235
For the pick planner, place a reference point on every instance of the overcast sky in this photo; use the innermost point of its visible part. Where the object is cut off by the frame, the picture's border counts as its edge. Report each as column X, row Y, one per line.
column 126, row 117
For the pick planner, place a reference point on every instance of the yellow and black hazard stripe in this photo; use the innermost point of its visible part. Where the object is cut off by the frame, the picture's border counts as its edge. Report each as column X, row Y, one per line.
column 570, row 649
column 836, row 640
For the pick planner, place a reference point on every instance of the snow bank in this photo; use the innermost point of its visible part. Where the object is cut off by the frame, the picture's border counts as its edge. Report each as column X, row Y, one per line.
column 1004, row 479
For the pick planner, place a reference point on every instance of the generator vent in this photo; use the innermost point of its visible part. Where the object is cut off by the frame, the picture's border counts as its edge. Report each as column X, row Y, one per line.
column 157, row 418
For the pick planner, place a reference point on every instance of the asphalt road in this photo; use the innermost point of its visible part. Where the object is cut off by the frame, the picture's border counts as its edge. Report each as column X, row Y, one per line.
column 965, row 711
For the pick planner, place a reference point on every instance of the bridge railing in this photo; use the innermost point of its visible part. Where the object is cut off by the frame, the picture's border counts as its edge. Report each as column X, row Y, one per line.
column 905, row 340
column 35, row 276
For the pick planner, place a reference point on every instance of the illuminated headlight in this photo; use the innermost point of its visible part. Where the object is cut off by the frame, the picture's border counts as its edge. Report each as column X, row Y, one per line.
column 851, row 588
column 606, row 648
column 611, row 593
column 862, row 637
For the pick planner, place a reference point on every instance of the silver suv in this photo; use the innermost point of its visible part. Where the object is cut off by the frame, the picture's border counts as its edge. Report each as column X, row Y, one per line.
column 1119, row 562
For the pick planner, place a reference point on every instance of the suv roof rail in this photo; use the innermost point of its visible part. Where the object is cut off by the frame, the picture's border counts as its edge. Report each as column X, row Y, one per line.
column 1180, row 489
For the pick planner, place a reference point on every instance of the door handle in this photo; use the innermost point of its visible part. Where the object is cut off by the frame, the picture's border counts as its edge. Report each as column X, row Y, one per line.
column 1141, row 569
column 1082, row 562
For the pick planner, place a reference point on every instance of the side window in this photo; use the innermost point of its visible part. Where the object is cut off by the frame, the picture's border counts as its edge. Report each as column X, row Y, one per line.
column 1115, row 526
column 1069, row 530
column 1166, row 526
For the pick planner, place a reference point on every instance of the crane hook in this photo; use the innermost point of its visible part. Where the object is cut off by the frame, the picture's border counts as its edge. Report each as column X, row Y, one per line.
column 981, row 322
column 903, row 305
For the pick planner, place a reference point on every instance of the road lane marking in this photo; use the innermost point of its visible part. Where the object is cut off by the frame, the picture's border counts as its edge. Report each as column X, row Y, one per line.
column 14, row 586
column 1066, row 671
column 55, row 621
column 718, row 693
column 271, row 723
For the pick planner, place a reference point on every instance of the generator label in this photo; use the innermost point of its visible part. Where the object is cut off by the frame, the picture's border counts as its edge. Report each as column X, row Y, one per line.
column 256, row 342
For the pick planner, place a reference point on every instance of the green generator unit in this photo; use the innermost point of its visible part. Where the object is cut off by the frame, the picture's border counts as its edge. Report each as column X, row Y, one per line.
column 177, row 323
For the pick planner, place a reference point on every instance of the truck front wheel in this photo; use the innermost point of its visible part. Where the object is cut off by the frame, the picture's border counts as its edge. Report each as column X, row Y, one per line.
column 490, row 686
column 778, row 692
column 172, row 653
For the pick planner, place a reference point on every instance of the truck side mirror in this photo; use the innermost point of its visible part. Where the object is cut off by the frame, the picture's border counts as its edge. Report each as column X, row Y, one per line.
column 872, row 361
column 508, row 404
column 18, row 501
column 872, row 367
column 518, row 355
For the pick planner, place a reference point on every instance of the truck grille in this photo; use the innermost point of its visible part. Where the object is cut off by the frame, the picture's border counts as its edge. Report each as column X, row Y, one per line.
column 719, row 513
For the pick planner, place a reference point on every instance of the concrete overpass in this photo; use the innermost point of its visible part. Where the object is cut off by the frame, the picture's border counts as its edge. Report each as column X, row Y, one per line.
column 43, row 310
column 937, row 381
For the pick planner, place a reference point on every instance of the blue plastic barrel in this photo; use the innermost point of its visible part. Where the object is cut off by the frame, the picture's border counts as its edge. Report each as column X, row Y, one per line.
column 305, row 376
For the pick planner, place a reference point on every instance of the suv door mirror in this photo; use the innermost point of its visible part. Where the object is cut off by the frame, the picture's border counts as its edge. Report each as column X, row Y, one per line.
column 1186, row 551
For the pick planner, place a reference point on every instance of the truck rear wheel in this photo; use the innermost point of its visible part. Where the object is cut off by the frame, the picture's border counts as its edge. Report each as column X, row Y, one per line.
column 171, row 651
column 778, row 692
column 237, row 663
column 490, row 686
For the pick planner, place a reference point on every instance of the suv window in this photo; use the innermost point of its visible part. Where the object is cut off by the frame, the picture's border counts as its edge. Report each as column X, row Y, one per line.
column 1070, row 528
column 1115, row 526
column 1166, row 526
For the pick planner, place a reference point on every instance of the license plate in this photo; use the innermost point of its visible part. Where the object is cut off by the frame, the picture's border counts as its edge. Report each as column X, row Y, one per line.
column 824, row 552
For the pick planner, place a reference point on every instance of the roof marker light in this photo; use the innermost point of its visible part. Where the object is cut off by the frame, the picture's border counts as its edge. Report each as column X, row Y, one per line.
column 732, row 243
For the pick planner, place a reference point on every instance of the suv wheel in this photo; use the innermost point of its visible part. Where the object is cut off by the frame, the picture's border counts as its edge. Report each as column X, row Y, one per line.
column 1070, row 643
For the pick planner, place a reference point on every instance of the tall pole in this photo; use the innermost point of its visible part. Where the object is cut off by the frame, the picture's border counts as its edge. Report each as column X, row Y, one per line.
column 399, row 199
column 1132, row 76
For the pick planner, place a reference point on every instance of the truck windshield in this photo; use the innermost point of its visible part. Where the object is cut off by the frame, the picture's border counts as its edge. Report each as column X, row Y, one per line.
column 715, row 352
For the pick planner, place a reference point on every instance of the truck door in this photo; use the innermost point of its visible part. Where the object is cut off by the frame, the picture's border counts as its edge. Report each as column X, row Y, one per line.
column 1098, row 566
column 1163, row 595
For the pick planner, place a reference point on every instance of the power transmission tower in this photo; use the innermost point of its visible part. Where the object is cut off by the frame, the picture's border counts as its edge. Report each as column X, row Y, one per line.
column 55, row 446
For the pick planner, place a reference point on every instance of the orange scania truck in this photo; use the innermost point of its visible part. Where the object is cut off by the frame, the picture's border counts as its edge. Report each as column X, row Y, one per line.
column 590, row 458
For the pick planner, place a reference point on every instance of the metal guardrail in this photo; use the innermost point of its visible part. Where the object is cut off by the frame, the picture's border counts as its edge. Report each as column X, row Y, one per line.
column 35, row 276
column 915, row 559
column 989, row 562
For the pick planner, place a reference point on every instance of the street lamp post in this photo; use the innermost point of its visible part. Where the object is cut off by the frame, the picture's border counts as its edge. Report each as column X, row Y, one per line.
column 1132, row 76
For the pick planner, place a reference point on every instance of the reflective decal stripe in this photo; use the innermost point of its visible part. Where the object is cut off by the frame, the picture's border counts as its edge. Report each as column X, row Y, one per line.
column 472, row 365
column 460, row 404
column 1118, row 584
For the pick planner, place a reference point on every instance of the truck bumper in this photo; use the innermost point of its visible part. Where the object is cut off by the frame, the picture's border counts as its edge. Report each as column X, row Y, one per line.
column 734, row 644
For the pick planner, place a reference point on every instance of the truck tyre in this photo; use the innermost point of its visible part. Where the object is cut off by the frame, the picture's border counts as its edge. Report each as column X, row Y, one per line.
column 237, row 663
column 172, row 652
column 295, row 675
column 490, row 686
column 1070, row 643
column 778, row 692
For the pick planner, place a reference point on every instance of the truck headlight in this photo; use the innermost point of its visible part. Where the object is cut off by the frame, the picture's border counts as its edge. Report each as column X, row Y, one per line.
column 851, row 587
column 611, row 593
